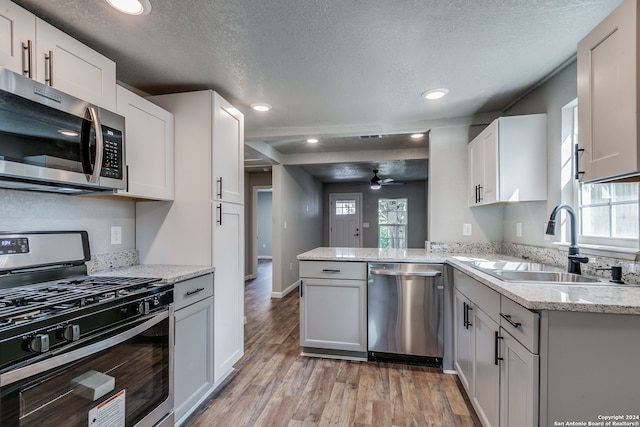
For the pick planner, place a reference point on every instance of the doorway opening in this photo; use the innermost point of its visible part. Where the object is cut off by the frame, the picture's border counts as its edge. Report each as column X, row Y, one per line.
column 262, row 230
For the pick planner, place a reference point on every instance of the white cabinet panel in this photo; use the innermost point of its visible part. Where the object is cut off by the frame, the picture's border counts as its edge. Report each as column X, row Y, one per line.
column 149, row 147
column 463, row 341
column 228, row 152
column 486, row 390
column 229, row 287
column 67, row 65
column 17, row 29
column 519, row 376
column 333, row 314
column 608, row 96
column 193, row 357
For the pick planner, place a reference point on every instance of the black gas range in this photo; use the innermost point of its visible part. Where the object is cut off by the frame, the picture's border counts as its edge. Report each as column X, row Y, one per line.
column 38, row 315
column 55, row 319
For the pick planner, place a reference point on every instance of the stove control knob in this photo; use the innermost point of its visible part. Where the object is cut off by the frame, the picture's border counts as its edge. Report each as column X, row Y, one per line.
column 39, row 343
column 143, row 307
column 71, row 332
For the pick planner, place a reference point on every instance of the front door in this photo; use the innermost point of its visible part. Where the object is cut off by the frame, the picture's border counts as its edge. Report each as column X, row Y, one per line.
column 345, row 220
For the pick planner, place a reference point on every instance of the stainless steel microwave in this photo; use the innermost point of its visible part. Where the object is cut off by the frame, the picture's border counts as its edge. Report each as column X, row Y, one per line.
column 51, row 141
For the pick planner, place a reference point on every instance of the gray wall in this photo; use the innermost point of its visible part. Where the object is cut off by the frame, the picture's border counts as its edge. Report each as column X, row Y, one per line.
column 415, row 192
column 263, row 224
column 30, row 211
column 448, row 186
column 548, row 98
column 297, row 221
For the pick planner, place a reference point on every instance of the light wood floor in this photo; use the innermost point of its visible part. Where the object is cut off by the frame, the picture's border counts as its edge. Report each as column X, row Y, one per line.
column 273, row 385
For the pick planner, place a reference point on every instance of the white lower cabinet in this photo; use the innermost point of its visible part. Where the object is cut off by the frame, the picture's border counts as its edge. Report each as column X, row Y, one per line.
column 463, row 341
column 519, row 375
column 193, row 352
column 333, row 307
column 496, row 345
column 486, row 387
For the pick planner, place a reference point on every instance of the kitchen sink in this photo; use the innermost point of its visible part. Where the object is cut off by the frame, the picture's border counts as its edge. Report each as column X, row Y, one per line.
column 543, row 276
column 513, row 266
column 533, row 272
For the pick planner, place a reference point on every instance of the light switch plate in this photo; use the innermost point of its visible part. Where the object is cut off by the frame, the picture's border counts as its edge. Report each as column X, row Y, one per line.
column 466, row 229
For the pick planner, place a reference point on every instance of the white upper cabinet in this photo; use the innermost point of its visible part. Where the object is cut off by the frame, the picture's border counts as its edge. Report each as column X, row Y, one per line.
column 149, row 144
column 608, row 97
column 67, row 65
column 17, row 39
column 508, row 161
column 34, row 48
column 228, row 152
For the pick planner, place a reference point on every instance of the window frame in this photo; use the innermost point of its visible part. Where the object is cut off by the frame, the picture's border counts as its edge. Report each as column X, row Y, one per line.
column 404, row 226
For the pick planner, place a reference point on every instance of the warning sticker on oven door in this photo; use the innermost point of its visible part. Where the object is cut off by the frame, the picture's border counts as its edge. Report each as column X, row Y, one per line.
column 110, row 413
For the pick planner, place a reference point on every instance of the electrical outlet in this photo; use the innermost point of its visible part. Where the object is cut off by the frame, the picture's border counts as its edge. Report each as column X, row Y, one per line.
column 290, row 266
column 466, row 229
column 116, row 235
column 518, row 229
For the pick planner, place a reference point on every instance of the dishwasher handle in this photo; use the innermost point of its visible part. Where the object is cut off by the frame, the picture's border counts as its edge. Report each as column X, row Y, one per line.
column 432, row 273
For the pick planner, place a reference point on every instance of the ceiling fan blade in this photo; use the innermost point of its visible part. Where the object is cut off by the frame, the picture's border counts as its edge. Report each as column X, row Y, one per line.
column 387, row 180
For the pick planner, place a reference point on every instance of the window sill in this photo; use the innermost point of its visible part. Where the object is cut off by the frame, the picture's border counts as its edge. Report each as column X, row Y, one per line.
column 629, row 254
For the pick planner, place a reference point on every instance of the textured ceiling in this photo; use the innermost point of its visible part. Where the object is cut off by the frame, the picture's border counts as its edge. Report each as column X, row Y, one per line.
column 336, row 67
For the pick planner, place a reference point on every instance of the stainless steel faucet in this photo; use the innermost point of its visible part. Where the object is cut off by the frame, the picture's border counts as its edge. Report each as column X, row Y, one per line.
column 574, row 252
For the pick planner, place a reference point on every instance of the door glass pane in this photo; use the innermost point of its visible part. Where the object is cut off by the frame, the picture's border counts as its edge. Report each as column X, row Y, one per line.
column 345, row 207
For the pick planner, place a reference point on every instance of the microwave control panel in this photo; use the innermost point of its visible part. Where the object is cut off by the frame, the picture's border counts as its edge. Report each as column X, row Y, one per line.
column 112, row 164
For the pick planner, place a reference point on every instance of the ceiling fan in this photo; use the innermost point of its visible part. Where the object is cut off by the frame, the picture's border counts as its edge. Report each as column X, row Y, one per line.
column 377, row 182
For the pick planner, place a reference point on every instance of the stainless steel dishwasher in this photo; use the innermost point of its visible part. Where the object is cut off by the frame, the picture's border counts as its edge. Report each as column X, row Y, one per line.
column 405, row 312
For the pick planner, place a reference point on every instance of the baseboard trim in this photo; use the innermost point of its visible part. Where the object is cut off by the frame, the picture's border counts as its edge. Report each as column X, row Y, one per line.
column 286, row 291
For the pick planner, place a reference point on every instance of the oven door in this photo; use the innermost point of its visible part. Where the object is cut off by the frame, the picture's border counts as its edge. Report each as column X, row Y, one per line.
column 124, row 377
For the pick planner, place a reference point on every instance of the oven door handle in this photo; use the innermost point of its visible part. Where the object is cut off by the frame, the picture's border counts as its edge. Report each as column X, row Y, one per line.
column 37, row 368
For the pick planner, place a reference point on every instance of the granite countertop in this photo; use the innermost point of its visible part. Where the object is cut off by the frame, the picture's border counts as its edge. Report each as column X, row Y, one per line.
column 168, row 273
column 616, row 299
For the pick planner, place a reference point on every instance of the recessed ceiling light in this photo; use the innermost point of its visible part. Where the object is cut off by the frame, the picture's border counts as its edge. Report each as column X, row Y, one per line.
column 417, row 135
column 261, row 107
column 435, row 93
column 312, row 140
column 131, row 7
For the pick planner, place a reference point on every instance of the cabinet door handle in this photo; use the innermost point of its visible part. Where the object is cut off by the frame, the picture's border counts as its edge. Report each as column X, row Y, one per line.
column 507, row 317
column 480, row 187
column 469, row 308
column 300, row 292
column 497, row 348
column 219, row 209
column 193, row 292
column 465, row 315
column 48, row 68
column 476, row 194
column 576, row 151
column 219, row 182
column 26, row 59
column 329, row 270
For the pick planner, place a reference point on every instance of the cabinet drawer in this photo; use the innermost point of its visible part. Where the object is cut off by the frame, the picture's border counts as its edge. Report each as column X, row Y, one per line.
column 333, row 270
column 480, row 295
column 192, row 290
column 528, row 323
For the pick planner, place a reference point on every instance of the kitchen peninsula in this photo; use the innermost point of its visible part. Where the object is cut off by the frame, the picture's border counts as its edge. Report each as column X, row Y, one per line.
column 528, row 353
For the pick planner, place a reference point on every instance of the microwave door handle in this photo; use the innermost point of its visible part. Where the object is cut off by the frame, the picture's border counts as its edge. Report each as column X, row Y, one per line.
column 97, row 164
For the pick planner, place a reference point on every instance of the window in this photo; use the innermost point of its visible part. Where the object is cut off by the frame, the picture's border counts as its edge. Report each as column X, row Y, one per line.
column 392, row 223
column 607, row 213
column 345, row 207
